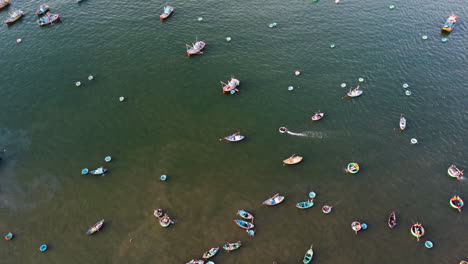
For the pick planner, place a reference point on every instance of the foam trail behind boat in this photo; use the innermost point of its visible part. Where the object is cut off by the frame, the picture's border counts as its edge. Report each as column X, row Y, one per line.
column 313, row 134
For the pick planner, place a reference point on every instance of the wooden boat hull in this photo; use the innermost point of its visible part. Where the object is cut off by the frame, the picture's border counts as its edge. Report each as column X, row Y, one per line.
column 244, row 224
column 392, row 222
column 53, row 18
column 293, row 160
column 232, row 246
column 274, row 200
column 210, row 253
column 245, row 214
column 4, row 4
column 95, row 227
column 42, row 9
column 305, row 205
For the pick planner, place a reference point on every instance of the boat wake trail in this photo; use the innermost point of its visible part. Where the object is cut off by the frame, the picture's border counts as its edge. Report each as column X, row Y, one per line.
column 312, row 134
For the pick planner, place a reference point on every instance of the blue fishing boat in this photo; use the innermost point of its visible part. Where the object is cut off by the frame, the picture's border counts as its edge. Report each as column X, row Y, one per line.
column 43, row 247
column 305, row 205
column 244, row 224
column 42, row 9
column 8, row 236
column 14, row 17
column 210, row 253
column 98, row 171
column 93, row 229
column 48, row 19
column 245, row 214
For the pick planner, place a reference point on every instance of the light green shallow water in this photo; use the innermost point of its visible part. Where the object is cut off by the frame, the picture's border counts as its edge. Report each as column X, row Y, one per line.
column 175, row 113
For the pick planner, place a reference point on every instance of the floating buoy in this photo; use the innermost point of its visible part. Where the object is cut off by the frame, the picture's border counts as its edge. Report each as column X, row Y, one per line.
column 78, row 84
column 428, row 244
column 332, row 45
column 43, row 247
column 232, row 91
column 90, row 77
column 251, row 232
column 361, row 79
column 414, row 141
column 200, row 19
column 312, row 195
column 343, row 85
column 405, row 85
column 18, row 40
column 424, row 37
column 228, row 38
column 297, row 73
column 163, row 177
column 84, row 171
column 408, row 92
column 290, row 88
column 283, row 130
column 444, row 40
column 273, row 25
column 108, row 158
column 391, row 7
column 364, row 226
column 121, row 99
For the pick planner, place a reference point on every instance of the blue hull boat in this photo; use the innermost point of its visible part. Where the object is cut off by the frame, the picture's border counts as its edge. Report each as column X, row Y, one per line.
column 244, row 224
column 98, row 171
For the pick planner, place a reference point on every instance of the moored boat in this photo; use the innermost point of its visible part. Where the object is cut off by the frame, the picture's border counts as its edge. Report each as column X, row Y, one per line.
column 355, row 92
column 17, row 14
column 276, row 199
column 98, row 171
column 4, row 3
column 317, row 116
column 231, row 86
column 48, row 19
column 455, row 172
column 457, row 203
column 352, row 168
column 165, row 221
column 234, row 137
column 402, row 123
column 93, row 229
column 417, row 230
column 210, row 253
column 356, row 226
column 309, row 255
column 196, row 261
column 232, row 246
column 244, row 224
column 195, row 48
column 326, row 209
column 166, row 13
column 8, row 236
column 42, row 9
column 245, row 214
column 305, row 205
column 392, row 221
column 292, row 160
column 450, row 23
column 158, row 213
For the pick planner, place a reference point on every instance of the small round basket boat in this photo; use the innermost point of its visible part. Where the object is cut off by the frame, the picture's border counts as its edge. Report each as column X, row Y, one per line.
column 353, row 168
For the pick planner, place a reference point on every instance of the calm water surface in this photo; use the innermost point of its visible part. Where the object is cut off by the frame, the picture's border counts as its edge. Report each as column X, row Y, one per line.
column 174, row 114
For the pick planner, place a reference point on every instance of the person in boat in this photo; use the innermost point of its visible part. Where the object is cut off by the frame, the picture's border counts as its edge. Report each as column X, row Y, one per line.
column 356, row 89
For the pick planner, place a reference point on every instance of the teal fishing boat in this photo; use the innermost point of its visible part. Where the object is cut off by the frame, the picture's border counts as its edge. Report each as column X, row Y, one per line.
column 232, row 246
column 309, row 255
column 305, row 205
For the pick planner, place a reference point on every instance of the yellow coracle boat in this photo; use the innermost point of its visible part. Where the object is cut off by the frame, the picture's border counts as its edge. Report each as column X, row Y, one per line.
column 292, row 160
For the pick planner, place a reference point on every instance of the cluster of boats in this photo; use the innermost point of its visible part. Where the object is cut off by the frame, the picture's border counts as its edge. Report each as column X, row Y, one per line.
column 98, row 172
column 164, row 219
column 43, row 10
column 244, row 224
column 213, row 251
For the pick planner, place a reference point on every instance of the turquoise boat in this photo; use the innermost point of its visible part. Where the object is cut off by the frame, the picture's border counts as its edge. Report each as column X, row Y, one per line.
column 309, row 255
column 305, row 205
column 232, row 246
column 244, row 224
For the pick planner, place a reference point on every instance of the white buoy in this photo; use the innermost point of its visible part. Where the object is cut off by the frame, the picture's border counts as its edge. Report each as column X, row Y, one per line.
column 361, row 79
column 414, row 141
column 228, row 38
column 18, row 40
column 405, row 85
column 332, row 45
column 78, row 84
column 424, row 37
column 408, row 92
column 343, row 85
column 290, row 88
column 297, row 73
column 121, row 99
column 90, row 77
column 200, row 19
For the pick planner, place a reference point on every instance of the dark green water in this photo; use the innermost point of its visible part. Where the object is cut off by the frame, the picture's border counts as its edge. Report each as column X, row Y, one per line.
column 175, row 113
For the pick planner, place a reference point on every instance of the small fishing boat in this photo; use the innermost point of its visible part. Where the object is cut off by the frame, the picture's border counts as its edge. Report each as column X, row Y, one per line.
column 98, row 171
column 4, row 3
column 232, row 246
column 417, row 230
column 309, row 255
column 158, row 213
column 402, row 123
column 245, row 214
column 234, row 137
column 165, row 221
column 356, row 226
column 42, row 9
column 292, row 160
column 455, row 172
column 195, row 48
column 305, row 205
column 317, row 116
column 283, row 130
column 244, row 224
column 43, row 248
column 355, row 92
column 457, row 203
column 14, row 17
column 276, row 199
column 326, row 209
column 231, row 86
column 93, row 229
column 196, row 262
column 352, row 168
column 166, row 13
column 392, row 221
column 210, row 253
column 450, row 23
column 48, row 19
column 8, row 236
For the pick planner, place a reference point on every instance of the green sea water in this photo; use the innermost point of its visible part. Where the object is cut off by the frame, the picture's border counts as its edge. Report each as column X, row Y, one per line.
column 175, row 113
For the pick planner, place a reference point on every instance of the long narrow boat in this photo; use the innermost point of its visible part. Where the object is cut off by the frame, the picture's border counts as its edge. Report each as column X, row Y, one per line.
column 309, row 255
column 276, row 199
column 232, row 246
column 196, row 261
column 356, row 226
column 93, row 229
column 42, row 9
column 166, row 13
column 355, row 92
column 234, row 137
column 402, row 123
column 305, row 205
column 210, row 253
column 455, row 172
column 98, row 171
column 292, row 160
column 450, row 23
column 353, row 168
column 245, row 214
column 231, row 86
column 417, row 230
column 317, row 116
column 195, row 48
column 48, row 19
column 457, row 203
column 392, row 221
column 165, row 221
column 4, row 3
column 244, row 224
column 17, row 14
